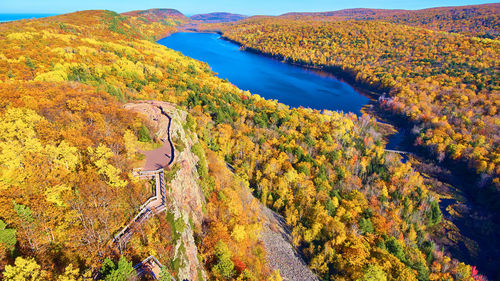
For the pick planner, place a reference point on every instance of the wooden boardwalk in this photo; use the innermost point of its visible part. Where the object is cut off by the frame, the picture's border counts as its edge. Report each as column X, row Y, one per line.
column 153, row 169
column 154, row 205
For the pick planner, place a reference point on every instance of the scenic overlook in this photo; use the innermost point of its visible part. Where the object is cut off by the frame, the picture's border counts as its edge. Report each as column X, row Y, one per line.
column 249, row 140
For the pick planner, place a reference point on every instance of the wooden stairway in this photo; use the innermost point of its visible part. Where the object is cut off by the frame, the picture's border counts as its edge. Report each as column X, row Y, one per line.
column 154, row 205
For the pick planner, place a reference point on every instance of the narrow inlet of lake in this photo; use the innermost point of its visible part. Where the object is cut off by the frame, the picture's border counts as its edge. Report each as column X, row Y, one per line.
column 292, row 85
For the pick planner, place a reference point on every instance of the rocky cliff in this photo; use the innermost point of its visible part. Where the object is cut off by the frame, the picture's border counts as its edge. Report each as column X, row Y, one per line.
column 184, row 192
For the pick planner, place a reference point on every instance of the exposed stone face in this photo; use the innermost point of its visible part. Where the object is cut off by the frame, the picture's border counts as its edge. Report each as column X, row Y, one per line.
column 282, row 255
column 186, row 200
column 184, row 192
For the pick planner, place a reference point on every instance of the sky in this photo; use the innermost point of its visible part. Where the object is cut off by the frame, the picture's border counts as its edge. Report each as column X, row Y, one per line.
column 190, row 7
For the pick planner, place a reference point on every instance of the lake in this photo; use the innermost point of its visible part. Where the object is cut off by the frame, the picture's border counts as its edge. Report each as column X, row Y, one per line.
column 297, row 86
column 292, row 85
column 13, row 17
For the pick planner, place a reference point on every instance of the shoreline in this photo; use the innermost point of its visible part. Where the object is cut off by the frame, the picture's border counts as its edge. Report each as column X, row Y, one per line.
column 397, row 127
column 466, row 184
column 339, row 73
column 391, row 123
column 372, row 108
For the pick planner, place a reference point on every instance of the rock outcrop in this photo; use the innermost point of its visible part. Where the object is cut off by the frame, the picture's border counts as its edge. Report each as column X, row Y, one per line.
column 282, row 255
column 183, row 190
column 187, row 200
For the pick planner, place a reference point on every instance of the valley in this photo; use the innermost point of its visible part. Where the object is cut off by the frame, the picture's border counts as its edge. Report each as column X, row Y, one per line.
column 223, row 58
column 270, row 168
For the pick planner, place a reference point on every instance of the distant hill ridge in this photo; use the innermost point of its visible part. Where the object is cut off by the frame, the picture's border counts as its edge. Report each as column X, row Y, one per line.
column 478, row 20
column 343, row 13
column 218, row 17
column 382, row 12
column 157, row 14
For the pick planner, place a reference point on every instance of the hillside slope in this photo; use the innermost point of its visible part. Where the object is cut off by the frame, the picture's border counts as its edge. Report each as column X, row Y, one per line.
column 68, row 99
column 443, row 87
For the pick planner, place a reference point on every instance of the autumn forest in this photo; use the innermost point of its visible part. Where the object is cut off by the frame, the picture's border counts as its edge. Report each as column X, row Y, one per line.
column 82, row 97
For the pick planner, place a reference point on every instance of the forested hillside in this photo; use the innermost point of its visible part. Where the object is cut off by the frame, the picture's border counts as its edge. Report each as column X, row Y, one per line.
column 356, row 211
column 67, row 149
column 446, row 84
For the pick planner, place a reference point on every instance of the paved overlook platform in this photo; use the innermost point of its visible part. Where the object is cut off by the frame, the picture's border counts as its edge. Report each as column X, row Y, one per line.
column 163, row 156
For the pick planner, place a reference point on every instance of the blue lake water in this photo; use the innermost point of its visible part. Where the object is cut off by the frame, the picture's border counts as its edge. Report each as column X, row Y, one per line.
column 13, row 17
column 267, row 77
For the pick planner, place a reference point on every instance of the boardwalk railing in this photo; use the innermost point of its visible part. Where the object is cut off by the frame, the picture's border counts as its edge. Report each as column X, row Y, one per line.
column 156, row 204
column 172, row 149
